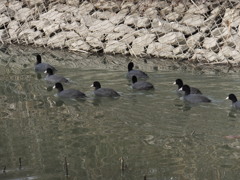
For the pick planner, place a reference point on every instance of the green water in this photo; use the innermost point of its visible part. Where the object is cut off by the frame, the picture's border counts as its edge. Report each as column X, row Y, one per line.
column 156, row 133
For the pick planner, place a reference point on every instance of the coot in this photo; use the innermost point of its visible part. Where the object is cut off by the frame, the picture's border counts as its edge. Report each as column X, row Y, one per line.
column 69, row 93
column 193, row 98
column 141, row 85
column 235, row 102
column 103, row 92
column 41, row 67
column 193, row 90
column 53, row 78
column 133, row 72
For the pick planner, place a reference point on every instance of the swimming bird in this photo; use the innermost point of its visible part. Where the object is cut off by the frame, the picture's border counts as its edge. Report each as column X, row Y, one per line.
column 193, row 90
column 41, row 67
column 141, row 85
column 235, row 102
column 133, row 72
column 53, row 78
column 69, row 93
column 103, row 92
column 193, row 98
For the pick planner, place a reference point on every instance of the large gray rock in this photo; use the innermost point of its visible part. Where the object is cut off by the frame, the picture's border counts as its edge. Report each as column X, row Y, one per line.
column 180, row 49
column 231, row 17
column 139, row 44
column 39, row 24
column 103, row 26
column 79, row 45
column 211, row 44
column 187, row 30
column 4, row 20
column 173, row 38
column 105, row 15
column 180, row 8
column 123, row 28
column 128, row 39
column 85, row 8
column 131, row 20
column 107, row 6
column 200, row 9
column 13, row 29
column 195, row 40
column 115, row 47
column 115, row 36
column 52, row 15
column 15, row 5
column 119, row 17
column 230, row 52
column 32, row 3
column 222, row 32
column 160, row 50
column 193, row 20
column 160, row 27
column 94, row 42
column 151, row 13
column 58, row 40
column 143, row 22
column 48, row 30
column 3, row 7
column 3, row 35
column 72, row 2
column 24, row 14
column 204, row 55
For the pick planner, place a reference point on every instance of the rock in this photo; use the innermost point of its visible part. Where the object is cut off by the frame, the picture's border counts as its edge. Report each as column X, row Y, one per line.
column 72, row 2
column 3, row 7
column 233, row 41
column 123, row 28
column 39, row 24
column 24, row 14
column 160, row 27
column 203, row 55
column 119, row 17
column 104, row 27
column 23, row 35
column 94, row 42
column 131, row 20
column 211, row 44
column 222, row 32
column 13, row 28
column 143, row 22
column 79, row 46
column 160, row 50
column 173, row 38
column 231, row 17
column 3, row 35
column 200, row 9
column 114, row 36
column 230, row 52
column 180, row 9
column 139, row 44
column 187, row 30
column 48, row 30
column 193, row 20
column 33, row 36
column 105, row 15
column 115, row 47
column 151, row 13
column 165, row 11
column 52, row 15
column 63, row 8
column 173, row 16
column 58, row 40
column 128, row 39
column 32, row 3
column 85, row 8
column 107, row 6
column 180, row 49
column 4, row 20
column 88, row 20
column 195, row 40
column 81, row 30
column 15, row 5
column 41, row 41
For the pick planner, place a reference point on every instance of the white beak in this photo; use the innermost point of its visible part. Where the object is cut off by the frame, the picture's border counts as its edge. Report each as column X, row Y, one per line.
column 45, row 71
column 180, row 89
column 54, row 87
column 174, row 82
column 91, row 85
column 227, row 97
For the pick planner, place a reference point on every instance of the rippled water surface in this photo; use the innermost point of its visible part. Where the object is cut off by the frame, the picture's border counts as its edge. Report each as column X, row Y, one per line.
column 156, row 134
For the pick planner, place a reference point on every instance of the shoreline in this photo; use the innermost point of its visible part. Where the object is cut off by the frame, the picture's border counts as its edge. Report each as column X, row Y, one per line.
column 201, row 34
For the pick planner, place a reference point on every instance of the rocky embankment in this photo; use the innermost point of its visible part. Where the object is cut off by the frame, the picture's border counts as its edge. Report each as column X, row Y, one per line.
column 206, row 32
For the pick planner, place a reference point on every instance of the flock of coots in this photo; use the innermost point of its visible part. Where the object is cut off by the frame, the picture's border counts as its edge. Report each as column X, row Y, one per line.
column 189, row 94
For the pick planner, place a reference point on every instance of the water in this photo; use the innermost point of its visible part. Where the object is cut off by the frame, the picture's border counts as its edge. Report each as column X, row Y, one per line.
column 157, row 135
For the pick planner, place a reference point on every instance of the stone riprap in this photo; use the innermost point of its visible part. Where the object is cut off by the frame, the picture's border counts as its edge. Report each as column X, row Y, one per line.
column 204, row 31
